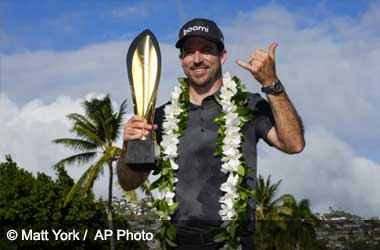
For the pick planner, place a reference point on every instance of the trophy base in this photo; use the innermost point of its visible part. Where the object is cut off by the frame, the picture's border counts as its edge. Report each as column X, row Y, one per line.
column 142, row 154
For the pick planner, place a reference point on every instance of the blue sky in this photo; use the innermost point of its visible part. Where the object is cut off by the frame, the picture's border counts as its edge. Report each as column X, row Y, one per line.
column 55, row 54
column 66, row 25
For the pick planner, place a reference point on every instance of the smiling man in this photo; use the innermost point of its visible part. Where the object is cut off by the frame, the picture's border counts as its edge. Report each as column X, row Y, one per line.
column 200, row 175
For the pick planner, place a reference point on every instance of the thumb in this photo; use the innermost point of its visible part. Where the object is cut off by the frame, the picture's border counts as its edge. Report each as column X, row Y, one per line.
column 272, row 49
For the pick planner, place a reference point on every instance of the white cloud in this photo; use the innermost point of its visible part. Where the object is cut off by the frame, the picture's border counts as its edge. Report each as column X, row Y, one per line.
column 332, row 78
column 328, row 173
column 45, row 75
column 27, row 132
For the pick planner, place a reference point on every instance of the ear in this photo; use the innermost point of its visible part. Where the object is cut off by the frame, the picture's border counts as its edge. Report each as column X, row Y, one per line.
column 223, row 56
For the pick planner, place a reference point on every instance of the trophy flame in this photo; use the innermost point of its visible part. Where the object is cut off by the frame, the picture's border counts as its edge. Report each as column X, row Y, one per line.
column 144, row 67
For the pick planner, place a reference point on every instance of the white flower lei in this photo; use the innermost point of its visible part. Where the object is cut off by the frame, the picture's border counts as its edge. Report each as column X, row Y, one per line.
column 232, row 164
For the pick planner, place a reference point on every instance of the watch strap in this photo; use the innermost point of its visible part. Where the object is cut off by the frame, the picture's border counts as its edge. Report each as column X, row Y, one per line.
column 274, row 89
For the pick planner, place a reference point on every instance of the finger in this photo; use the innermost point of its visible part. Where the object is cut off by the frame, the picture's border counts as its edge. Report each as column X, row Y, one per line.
column 142, row 125
column 272, row 49
column 155, row 126
column 244, row 65
column 138, row 124
column 137, row 118
column 134, row 137
column 134, row 131
column 133, row 134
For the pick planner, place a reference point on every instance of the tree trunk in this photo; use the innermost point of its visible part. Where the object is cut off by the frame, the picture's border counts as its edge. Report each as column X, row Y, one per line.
column 109, row 207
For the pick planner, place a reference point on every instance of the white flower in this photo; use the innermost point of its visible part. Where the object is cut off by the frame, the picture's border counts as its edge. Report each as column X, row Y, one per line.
column 230, row 184
column 228, row 107
column 228, row 199
column 232, row 131
column 170, row 125
column 175, row 94
column 229, row 83
column 226, row 94
column 167, row 195
column 169, row 143
column 173, row 164
column 228, row 150
column 232, row 119
column 227, row 213
column 230, row 166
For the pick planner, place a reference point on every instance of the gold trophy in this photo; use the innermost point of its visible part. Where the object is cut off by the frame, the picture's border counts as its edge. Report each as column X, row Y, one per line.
column 144, row 69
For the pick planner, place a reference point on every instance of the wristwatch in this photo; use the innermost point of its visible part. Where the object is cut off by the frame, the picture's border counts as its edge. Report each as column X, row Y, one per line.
column 274, row 89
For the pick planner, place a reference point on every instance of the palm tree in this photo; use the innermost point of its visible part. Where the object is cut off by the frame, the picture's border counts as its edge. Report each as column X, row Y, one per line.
column 282, row 223
column 265, row 193
column 96, row 133
column 269, row 220
column 301, row 223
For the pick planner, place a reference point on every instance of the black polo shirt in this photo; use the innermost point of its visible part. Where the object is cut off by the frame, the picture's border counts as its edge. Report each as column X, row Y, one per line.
column 199, row 173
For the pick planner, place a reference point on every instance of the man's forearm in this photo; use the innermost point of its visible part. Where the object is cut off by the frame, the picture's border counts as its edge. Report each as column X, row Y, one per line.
column 129, row 179
column 288, row 123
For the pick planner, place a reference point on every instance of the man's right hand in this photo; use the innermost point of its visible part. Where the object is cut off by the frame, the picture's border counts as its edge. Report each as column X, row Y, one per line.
column 136, row 128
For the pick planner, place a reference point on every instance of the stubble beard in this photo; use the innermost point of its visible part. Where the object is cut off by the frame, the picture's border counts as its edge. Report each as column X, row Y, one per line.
column 209, row 83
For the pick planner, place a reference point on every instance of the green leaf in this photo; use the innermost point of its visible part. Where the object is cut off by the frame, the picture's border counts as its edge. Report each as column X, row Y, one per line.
column 232, row 228
column 170, row 243
column 174, row 206
column 156, row 183
column 240, row 170
column 171, row 232
column 220, row 237
column 245, row 118
column 165, row 171
column 243, row 196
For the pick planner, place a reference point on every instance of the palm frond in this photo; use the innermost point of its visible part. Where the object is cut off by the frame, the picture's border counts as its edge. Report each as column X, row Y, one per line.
column 85, row 182
column 82, row 121
column 94, row 173
column 96, row 109
column 78, row 158
column 89, row 135
column 76, row 144
column 119, row 120
column 105, row 128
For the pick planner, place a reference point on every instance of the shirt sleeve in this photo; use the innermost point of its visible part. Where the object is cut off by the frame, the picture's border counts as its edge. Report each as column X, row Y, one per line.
column 262, row 116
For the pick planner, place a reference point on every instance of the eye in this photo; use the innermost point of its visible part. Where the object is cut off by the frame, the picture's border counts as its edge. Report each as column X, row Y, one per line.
column 208, row 50
column 187, row 52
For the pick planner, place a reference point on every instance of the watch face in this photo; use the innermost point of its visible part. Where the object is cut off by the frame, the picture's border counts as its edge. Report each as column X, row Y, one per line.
column 277, row 87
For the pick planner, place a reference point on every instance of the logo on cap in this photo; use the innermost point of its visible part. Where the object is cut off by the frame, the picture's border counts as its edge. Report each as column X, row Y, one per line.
column 195, row 28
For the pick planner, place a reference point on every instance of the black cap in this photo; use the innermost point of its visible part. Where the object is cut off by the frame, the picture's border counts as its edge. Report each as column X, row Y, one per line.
column 200, row 27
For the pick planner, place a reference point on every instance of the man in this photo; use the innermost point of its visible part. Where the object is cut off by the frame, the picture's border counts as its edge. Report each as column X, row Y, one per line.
column 202, row 54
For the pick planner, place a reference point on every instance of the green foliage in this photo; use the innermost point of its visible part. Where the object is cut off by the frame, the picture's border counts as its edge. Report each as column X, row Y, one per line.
column 36, row 202
column 283, row 223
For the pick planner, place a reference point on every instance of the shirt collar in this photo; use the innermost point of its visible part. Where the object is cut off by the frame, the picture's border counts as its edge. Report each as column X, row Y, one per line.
column 206, row 100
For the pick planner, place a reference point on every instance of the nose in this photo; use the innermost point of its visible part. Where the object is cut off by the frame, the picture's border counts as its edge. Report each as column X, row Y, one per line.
column 197, row 57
